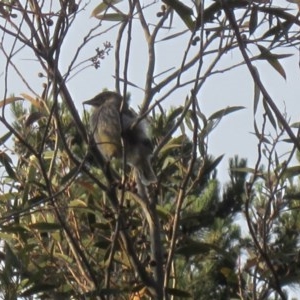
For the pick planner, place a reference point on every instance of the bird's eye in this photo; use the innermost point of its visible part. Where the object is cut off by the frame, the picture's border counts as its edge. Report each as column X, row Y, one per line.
column 147, row 143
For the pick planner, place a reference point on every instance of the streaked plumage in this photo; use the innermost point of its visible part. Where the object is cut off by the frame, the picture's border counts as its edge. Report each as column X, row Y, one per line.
column 110, row 123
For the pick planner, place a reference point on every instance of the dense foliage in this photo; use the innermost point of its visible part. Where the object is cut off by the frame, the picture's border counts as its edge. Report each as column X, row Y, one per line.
column 74, row 227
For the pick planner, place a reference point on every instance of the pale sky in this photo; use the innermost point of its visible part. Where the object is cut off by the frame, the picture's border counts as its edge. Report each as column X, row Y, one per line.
column 233, row 88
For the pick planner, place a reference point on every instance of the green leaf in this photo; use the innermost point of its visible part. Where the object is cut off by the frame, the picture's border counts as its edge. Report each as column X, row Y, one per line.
column 36, row 200
column 223, row 112
column 183, row 11
column 13, row 228
column 168, row 161
column 256, row 93
column 271, row 59
column 296, row 125
column 48, row 154
column 5, row 160
column 102, row 244
column 212, row 165
column 33, row 117
column 189, row 120
column 292, row 196
column 12, row 260
column 280, row 56
column 178, row 293
column 208, row 165
column 163, row 213
column 44, row 226
column 269, row 114
column 245, row 170
column 31, row 175
column 102, row 226
column 173, row 143
column 77, row 203
column 70, row 175
column 64, row 257
column 6, row 197
column 179, row 7
column 116, row 17
column 5, row 137
column 209, row 126
column 9, row 100
column 279, row 30
column 292, row 171
column 37, row 288
column 6, row 237
column 174, row 114
column 175, row 35
column 103, row 7
column 253, row 20
column 194, row 248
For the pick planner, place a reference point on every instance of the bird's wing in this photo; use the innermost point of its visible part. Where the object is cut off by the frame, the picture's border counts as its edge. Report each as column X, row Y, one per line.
column 127, row 121
column 109, row 120
column 136, row 133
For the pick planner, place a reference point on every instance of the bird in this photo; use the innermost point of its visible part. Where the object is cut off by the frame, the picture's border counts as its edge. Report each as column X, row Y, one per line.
column 111, row 121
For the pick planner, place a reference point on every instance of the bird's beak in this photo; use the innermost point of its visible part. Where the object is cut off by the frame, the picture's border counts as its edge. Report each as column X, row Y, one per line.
column 94, row 101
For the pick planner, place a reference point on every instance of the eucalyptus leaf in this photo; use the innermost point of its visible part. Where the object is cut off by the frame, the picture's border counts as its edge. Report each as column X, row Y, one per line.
column 272, row 60
column 44, row 226
column 102, row 7
column 37, row 288
column 114, row 17
column 178, row 293
column 225, row 111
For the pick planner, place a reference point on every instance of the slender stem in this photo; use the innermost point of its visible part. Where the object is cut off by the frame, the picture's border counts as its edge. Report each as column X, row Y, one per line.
column 181, row 195
column 231, row 18
column 256, row 78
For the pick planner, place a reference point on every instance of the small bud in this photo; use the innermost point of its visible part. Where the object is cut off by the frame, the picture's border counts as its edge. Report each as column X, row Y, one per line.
column 195, row 40
column 49, row 22
column 152, row 263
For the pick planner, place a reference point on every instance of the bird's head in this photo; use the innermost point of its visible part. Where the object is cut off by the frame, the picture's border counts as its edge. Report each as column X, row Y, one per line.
column 107, row 97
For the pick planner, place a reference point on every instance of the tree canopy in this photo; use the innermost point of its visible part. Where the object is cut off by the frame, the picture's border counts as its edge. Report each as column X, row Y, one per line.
column 73, row 226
